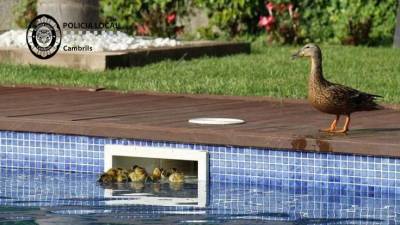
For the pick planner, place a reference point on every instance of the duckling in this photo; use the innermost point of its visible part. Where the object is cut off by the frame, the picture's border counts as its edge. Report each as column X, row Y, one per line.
column 121, row 170
column 112, row 175
column 333, row 98
column 137, row 174
column 166, row 173
column 156, row 175
column 105, row 178
column 109, row 176
column 176, row 177
column 112, row 172
column 122, row 175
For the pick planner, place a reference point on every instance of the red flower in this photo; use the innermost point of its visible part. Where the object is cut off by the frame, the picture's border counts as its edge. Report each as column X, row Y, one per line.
column 270, row 6
column 270, row 23
column 290, row 8
column 171, row 17
column 270, row 20
column 262, row 22
column 267, row 22
column 142, row 29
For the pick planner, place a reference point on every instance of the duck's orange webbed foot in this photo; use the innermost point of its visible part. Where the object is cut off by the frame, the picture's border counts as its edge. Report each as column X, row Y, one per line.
column 345, row 127
column 329, row 130
column 332, row 128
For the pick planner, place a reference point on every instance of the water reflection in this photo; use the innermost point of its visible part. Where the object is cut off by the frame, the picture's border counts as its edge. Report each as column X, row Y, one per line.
column 40, row 197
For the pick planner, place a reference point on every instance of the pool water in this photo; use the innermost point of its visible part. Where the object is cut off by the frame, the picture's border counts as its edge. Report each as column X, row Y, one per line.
column 44, row 197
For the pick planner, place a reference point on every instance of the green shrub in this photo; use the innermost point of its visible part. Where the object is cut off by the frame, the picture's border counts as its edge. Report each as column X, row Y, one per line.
column 25, row 12
column 122, row 11
column 141, row 17
column 314, row 20
column 146, row 17
column 366, row 22
column 282, row 23
column 355, row 22
column 236, row 17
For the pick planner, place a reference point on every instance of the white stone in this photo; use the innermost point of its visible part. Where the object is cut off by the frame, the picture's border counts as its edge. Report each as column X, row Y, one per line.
column 103, row 41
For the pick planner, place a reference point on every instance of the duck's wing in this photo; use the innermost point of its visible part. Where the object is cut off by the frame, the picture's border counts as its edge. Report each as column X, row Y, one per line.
column 353, row 98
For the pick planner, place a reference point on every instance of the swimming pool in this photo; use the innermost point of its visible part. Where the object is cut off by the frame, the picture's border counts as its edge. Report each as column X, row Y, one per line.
column 51, row 177
column 54, row 197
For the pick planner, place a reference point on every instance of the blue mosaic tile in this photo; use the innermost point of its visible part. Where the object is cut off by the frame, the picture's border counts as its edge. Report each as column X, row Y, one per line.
column 227, row 163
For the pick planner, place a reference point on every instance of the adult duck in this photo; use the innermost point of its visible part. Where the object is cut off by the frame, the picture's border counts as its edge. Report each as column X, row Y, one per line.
column 333, row 98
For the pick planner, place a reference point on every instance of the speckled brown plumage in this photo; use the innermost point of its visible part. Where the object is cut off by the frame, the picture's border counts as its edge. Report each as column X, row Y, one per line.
column 333, row 98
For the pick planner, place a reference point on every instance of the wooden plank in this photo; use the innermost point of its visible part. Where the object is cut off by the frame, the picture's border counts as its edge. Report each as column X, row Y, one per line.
column 145, row 111
column 79, row 104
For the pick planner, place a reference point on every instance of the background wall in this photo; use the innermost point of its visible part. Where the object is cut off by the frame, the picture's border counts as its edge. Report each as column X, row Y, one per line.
column 6, row 14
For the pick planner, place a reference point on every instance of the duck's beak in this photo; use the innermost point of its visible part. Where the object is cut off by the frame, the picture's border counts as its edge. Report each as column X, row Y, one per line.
column 296, row 55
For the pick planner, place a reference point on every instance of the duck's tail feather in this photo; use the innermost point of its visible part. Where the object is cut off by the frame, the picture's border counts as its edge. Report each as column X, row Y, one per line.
column 369, row 102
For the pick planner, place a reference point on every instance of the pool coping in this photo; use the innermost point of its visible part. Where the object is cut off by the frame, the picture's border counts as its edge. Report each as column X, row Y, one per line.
column 229, row 136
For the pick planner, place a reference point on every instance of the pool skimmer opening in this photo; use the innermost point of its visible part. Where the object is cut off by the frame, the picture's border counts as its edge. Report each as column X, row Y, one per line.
column 193, row 163
column 216, row 121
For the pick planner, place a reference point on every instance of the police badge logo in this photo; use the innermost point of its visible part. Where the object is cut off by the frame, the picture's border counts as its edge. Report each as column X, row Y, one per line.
column 43, row 36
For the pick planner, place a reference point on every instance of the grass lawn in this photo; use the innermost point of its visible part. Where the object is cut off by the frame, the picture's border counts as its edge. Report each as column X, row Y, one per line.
column 268, row 71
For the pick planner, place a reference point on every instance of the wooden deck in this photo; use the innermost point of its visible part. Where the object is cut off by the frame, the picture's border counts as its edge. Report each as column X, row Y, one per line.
column 270, row 123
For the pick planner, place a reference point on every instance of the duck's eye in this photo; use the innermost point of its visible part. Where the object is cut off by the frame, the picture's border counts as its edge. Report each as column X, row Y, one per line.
column 307, row 46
